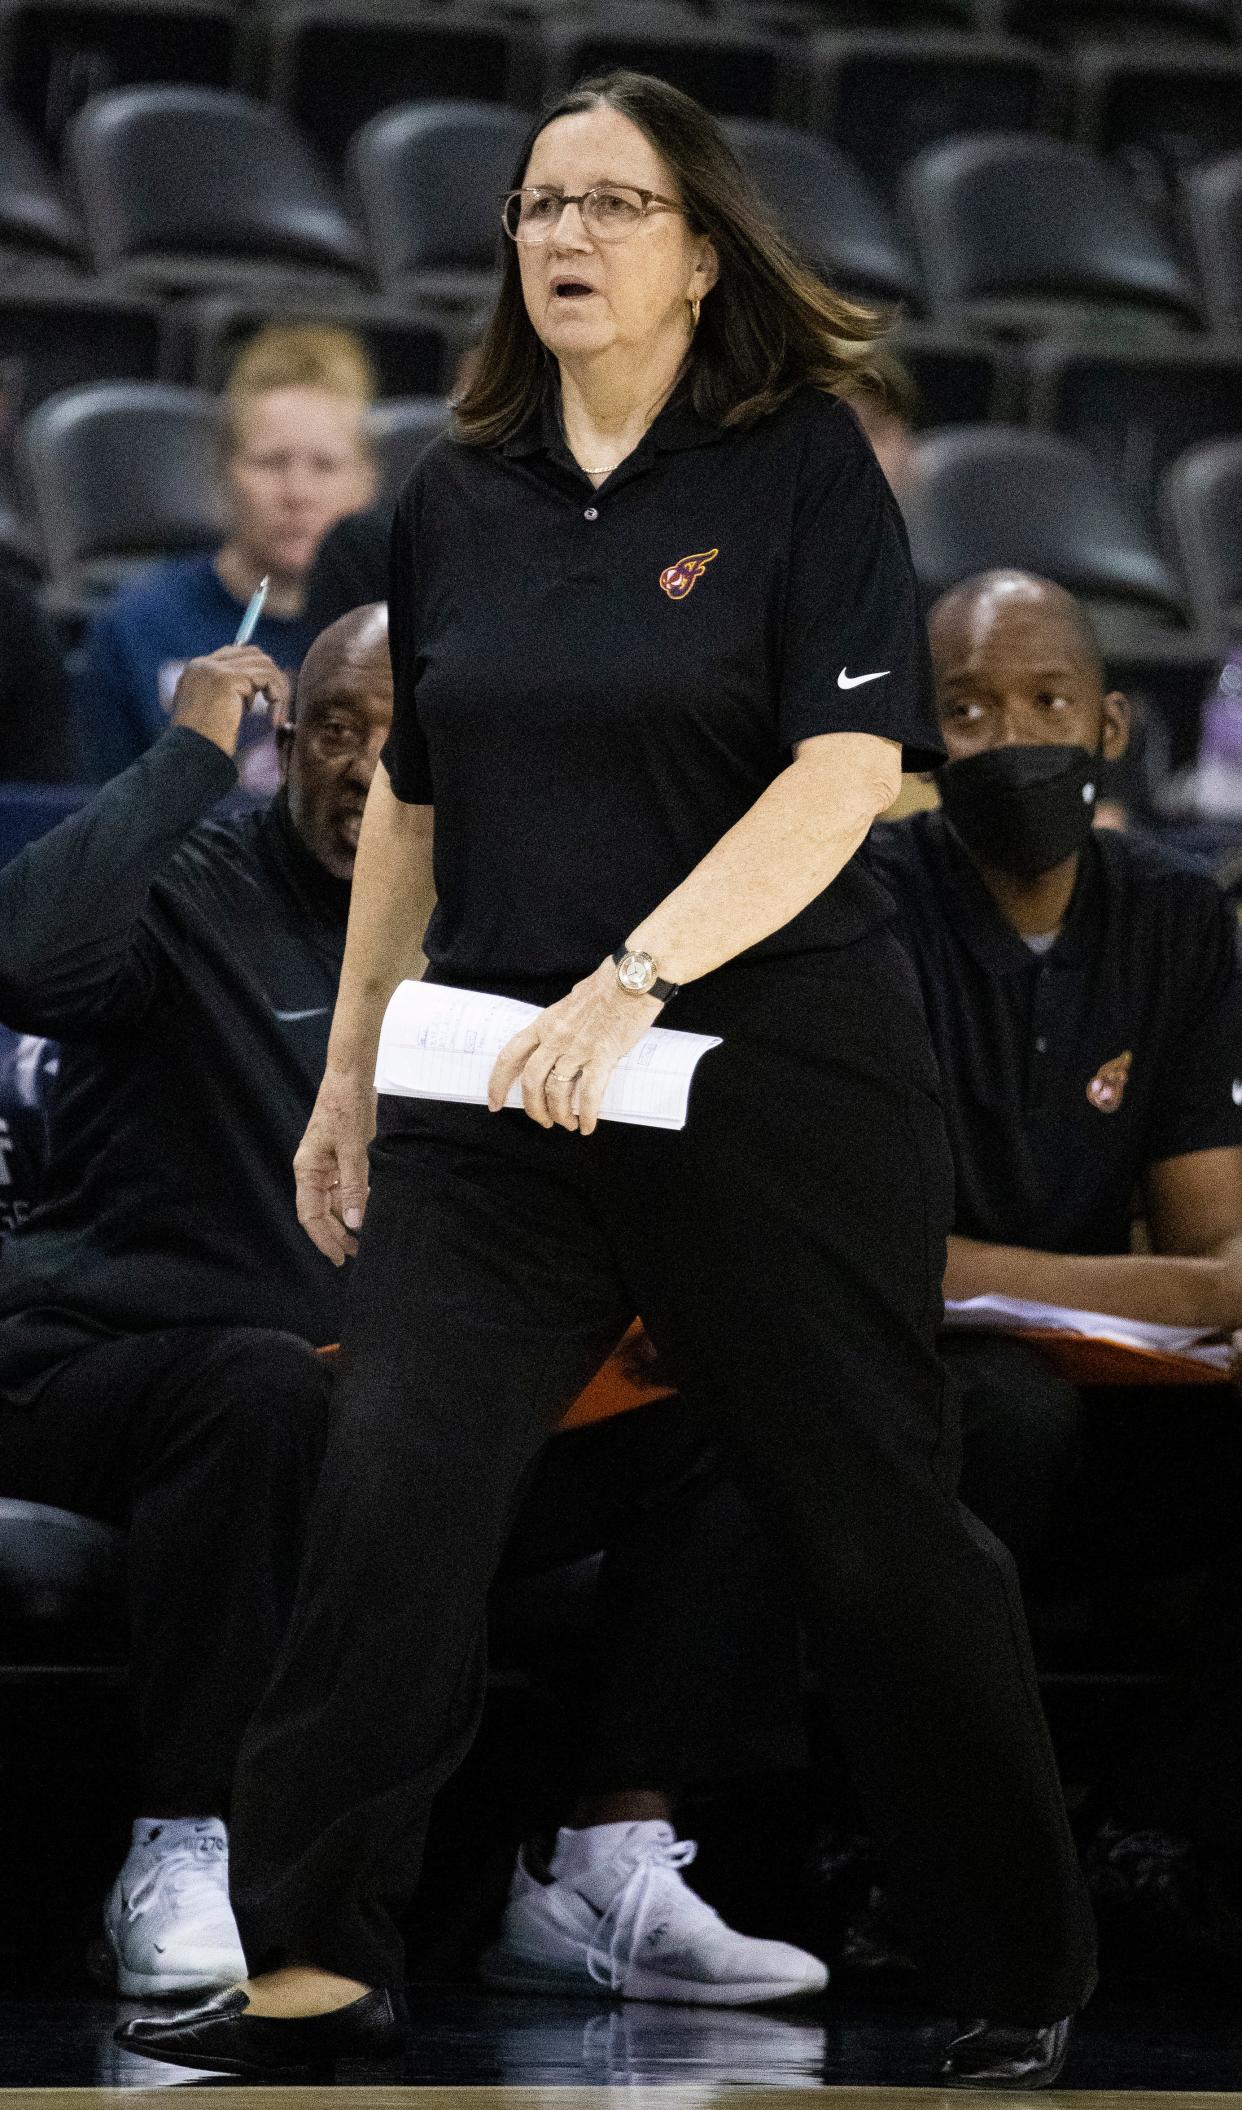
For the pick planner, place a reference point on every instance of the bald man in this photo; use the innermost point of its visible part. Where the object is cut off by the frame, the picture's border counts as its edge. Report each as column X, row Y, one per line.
column 1083, row 995
column 158, row 1310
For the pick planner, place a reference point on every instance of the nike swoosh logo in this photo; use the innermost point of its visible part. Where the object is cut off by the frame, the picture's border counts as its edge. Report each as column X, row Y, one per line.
column 855, row 681
column 290, row 1018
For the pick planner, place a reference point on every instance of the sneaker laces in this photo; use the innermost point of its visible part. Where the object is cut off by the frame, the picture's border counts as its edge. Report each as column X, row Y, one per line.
column 615, row 1942
column 180, row 1868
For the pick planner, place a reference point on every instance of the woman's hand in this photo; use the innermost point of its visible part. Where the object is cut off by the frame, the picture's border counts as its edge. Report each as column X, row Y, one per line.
column 331, row 1164
column 565, row 1057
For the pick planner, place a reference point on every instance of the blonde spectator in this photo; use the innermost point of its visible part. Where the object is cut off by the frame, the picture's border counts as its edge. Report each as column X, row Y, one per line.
column 293, row 460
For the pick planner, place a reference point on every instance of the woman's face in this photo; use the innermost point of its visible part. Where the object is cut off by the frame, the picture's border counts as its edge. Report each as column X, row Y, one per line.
column 297, row 466
column 588, row 298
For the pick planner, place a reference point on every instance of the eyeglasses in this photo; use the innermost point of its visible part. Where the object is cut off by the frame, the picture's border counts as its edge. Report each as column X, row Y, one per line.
column 609, row 211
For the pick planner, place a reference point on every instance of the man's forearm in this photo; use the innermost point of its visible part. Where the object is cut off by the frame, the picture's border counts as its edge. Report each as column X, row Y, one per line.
column 1162, row 1290
column 71, row 902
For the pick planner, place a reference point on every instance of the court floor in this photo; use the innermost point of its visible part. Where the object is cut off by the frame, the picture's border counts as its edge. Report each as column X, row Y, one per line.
column 472, row 2050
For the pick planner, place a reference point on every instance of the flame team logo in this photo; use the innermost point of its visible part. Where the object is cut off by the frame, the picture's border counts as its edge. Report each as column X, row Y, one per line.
column 1108, row 1086
column 678, row 580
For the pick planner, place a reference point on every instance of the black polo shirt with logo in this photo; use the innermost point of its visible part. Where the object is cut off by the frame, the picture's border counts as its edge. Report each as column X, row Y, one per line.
column 1067, row 1074
column 593, row 686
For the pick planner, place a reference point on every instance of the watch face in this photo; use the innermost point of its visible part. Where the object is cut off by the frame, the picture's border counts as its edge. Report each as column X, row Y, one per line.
column 637, row 972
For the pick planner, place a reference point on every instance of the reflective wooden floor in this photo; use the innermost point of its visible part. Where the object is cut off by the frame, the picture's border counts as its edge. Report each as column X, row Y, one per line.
column 481, row 2051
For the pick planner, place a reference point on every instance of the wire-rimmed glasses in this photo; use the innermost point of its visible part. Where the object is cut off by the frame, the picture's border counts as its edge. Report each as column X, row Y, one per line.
column 609, row 211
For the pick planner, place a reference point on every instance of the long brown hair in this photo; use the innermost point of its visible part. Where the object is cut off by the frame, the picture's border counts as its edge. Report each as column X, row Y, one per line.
column 768, row 326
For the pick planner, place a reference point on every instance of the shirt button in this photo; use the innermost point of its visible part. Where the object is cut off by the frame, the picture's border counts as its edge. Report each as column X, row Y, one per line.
column 592, row 513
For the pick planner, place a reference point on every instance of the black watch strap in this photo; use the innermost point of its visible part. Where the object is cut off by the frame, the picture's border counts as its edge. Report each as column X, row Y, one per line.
column 662, row 991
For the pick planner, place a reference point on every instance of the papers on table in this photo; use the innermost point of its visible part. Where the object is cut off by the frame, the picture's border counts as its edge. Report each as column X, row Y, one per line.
column 1014, row 1315
column 439, row 1043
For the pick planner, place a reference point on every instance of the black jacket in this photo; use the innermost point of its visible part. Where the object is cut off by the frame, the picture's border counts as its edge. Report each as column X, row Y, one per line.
column 189, row 968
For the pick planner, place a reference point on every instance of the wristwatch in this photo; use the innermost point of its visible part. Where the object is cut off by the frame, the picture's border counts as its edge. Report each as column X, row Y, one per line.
column 638, row 975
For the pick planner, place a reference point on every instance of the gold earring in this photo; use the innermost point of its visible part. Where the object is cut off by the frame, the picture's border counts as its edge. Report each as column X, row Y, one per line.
column 695, row 306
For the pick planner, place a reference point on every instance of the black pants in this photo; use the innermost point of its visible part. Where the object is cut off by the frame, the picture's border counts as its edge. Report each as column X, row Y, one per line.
column 206, row 1443
column 1100, row 1494
column 786, row 1251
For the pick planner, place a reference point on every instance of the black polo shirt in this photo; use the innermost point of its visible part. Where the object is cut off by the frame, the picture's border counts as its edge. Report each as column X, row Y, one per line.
column 592, row 687
column 1068, row 1074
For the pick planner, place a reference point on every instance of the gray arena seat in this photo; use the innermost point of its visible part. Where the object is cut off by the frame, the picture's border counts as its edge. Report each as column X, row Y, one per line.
column 414, row 353
column 120, row 474
column 734, row 70
column 67, row 334
column 330, row 65
column 1183, row 20
column 828, row 208
column 59, row 53
column 54, row 1562
column 36, row 227
column 399, row 433
column 429, row 178
column 190, row 187
column 985, row 496
column 885, row 98
column 1020, row 233
column 1203, row 504
column 1137, row 411
column 1158, row 110
column 1213, row 194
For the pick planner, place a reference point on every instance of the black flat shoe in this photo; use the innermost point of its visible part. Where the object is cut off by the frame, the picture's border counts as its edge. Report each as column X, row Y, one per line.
column 225, row 2037
column 1007, row 2055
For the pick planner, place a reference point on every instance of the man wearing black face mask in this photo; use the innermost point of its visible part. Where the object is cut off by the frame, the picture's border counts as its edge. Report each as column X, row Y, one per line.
column 1084, row 999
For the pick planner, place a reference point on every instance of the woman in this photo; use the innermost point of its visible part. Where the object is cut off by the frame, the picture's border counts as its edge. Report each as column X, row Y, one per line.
column 657, row 657
column 294, row 457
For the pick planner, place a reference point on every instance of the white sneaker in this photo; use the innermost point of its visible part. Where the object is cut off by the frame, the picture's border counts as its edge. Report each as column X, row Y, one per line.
column 614, row 1915
column 167, row 1917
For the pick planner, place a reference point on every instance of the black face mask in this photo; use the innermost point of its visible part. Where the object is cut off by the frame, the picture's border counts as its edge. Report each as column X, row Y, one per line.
column 1021, row 809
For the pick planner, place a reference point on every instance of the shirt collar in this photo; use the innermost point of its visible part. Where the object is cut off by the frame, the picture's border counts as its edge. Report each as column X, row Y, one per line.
column 676, row 427
column 982, row 924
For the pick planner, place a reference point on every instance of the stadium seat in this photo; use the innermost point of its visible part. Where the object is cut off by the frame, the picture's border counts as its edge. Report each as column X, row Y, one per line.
column 51, row 1560
column 1213, row 194
column 399, row 433
column 1019, row 233
column 1203, row 504
column 1135, row 412
column 982, row 496
column 413, row 354
column 191, row 187
column 429, row 179
column 36, row 227
column 885, row 98
column 65, row 335
column 120, row 474
column 957, row 380
column 735, row 71
column 1212, row 20
column 58, row 53
column 331, row 67
column 1161, row 110
column 829, row 210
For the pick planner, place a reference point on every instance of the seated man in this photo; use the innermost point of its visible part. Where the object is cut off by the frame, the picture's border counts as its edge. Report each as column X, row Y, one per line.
column 1084, row 998
column 157, row 1311
column 294, row 458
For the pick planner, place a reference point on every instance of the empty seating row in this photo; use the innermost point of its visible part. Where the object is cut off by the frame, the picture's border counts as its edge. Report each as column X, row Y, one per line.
column 184, row 187
column 884, row 93
column 126, row 470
